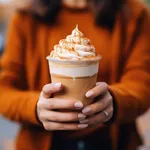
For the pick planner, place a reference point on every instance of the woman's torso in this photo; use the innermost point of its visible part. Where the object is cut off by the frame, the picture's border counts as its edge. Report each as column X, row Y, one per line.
column 41, row 41
column 44, row 37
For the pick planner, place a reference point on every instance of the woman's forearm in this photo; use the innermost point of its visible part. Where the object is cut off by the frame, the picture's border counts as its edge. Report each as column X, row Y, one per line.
column 18, row 105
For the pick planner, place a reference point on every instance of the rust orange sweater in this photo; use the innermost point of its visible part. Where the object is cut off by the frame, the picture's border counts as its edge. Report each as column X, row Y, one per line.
column 125, row 67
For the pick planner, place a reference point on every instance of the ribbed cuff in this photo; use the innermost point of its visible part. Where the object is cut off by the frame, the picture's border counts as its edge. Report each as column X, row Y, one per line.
column 31, row 107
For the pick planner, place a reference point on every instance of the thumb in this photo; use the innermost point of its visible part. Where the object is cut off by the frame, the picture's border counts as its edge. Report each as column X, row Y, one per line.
column 49, row 89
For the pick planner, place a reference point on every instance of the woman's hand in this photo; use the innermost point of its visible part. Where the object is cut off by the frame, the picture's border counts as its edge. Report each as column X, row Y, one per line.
column 102, row 110
column 56, row 120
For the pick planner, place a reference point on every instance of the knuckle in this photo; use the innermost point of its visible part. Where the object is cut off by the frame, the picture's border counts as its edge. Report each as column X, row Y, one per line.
column 105, row 85
column 41, row 116
column 93, row 110
column 69, row 118
column 51, row 105
column 54, row 118
column 110, row 98
column 111, row 109
column 101, row 106
column 58, row 119
column 69, row 103
column 107, row 103
column 72, row 117
column 45, row 87
column 61, row 127
column 39, row 104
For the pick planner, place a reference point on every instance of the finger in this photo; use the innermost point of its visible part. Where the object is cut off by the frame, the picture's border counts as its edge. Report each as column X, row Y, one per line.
column 100, row 117
column 56, row 103
column 98, row 105
column 55, row 116
column 52, row 126
column 98, row 90
column 98, row 83
column 49, row 89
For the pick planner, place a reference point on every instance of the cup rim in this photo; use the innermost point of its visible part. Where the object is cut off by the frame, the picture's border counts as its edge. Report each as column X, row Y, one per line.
column 73, row 61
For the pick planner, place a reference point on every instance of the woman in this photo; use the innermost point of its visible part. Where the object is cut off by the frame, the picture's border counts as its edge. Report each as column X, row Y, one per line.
column 120, row 32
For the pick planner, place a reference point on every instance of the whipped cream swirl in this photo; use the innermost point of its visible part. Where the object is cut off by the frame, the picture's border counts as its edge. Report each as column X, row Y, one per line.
column 75, row 47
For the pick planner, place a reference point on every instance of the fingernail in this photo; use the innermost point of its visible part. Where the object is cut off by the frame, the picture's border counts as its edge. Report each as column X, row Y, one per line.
column 57, row 85
column 78, row 105
column 84, row 121
column 97, row 83
column 87, row 110
column 81, row 116
column 89, row 94
column 82, row 126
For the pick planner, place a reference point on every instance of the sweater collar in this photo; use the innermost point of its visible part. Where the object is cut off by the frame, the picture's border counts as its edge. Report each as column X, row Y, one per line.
column 75, row 4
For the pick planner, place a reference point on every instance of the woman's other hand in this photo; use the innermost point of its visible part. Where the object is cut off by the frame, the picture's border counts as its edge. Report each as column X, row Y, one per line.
column 102, row 110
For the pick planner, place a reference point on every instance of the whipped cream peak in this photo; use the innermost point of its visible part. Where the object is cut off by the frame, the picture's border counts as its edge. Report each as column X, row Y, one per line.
column 77, row 33
column 75, row 47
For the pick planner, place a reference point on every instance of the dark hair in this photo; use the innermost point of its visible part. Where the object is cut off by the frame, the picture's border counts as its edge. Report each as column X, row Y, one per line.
column 54, row 7
column 105, row 11
column 104, row 17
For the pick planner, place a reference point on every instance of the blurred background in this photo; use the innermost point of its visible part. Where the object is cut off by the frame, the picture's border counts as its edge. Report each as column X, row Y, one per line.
column 8, row 130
